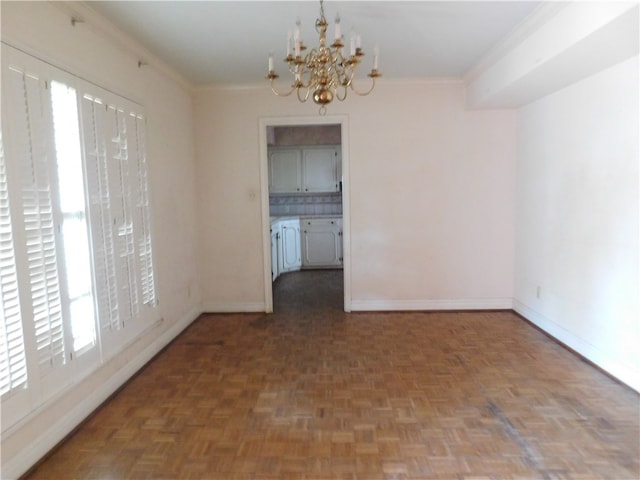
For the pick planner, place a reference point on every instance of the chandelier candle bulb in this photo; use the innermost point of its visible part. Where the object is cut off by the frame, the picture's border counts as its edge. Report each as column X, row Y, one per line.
column 289, row 43
column 338, row 34
column 271, row 61
column 376, row 52
column 352, row 50
column 296, row 38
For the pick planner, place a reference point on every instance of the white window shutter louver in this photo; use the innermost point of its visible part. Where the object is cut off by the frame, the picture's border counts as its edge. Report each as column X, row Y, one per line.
column 34, row 151
column 100, row 200
column 13, row 366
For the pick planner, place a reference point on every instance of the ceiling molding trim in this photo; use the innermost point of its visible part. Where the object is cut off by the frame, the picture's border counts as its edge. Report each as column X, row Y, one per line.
column 104, row 28
column 379, row 82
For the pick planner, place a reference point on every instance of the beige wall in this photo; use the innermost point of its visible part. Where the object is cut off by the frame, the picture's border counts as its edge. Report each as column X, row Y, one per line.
column 431, row 196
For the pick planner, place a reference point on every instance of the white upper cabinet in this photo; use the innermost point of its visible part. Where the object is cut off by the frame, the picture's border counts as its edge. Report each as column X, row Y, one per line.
column 285, row 170
column 314, row 169
column 320, row 169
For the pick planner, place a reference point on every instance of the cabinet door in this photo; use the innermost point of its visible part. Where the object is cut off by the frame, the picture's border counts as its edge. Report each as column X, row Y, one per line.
column 275, row 249
column 340, row 251
column 320, row 169
column 285, row 170
column 290, row 239
column 321, row 244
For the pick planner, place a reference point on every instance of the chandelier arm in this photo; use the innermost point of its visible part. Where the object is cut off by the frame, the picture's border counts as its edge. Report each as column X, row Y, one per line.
column 367, row 92
column 305, row 71
column 308, row 75
column 306, row 96
column 344, row 96
column 281, row 94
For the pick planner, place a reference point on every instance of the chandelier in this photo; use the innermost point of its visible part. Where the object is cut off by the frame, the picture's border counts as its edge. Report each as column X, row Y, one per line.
column 326, row 72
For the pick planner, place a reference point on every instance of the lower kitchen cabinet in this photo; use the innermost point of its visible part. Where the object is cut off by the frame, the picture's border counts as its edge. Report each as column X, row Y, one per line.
column 285, row 246
column 305, row 243
column 290, row 245
column 321, row 242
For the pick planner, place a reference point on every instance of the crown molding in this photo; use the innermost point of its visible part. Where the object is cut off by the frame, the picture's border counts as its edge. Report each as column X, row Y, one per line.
column 82, row 13
column 379, row 82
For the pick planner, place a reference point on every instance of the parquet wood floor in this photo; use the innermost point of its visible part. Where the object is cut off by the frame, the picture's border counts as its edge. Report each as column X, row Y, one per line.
column 313, row 393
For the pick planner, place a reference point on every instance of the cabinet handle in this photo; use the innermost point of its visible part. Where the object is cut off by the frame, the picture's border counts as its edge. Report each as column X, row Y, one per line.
column 297, row 189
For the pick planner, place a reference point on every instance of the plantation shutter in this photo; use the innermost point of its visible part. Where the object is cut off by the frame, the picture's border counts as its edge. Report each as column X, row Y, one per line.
column 116, row 164
column 122, row 213
column 75, row 233
column 13, row 366
column 142, row 211
column 31, row 117
column 98, row 180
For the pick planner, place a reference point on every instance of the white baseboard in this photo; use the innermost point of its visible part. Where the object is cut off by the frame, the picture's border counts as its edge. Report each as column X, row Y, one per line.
column 446, row 304
column 40, row 446
column 623, row 373
column 233, row 307
column 378, row 305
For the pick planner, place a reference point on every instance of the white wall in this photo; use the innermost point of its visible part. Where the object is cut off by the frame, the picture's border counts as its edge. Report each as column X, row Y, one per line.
column 431, row 196
column 577, row 218
column 44, row 29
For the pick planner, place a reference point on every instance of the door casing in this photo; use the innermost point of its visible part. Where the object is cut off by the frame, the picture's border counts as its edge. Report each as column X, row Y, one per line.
column 263, row 124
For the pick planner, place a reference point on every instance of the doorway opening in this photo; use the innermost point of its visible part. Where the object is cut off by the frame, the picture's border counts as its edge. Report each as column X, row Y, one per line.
column 304, row 168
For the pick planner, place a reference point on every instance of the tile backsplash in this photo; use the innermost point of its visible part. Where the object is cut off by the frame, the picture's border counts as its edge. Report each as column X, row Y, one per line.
column 306, row 204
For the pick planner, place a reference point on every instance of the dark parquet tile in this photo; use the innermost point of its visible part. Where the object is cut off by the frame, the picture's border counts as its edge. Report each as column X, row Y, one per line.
column 313, row 393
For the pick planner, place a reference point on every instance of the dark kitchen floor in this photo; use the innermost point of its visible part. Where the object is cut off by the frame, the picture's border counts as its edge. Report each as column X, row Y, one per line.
column 310, row 392
column 308, row 292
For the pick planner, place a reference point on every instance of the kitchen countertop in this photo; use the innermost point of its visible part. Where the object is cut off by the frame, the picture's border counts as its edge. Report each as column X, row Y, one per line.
column 284, row 217
column 293, row 217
